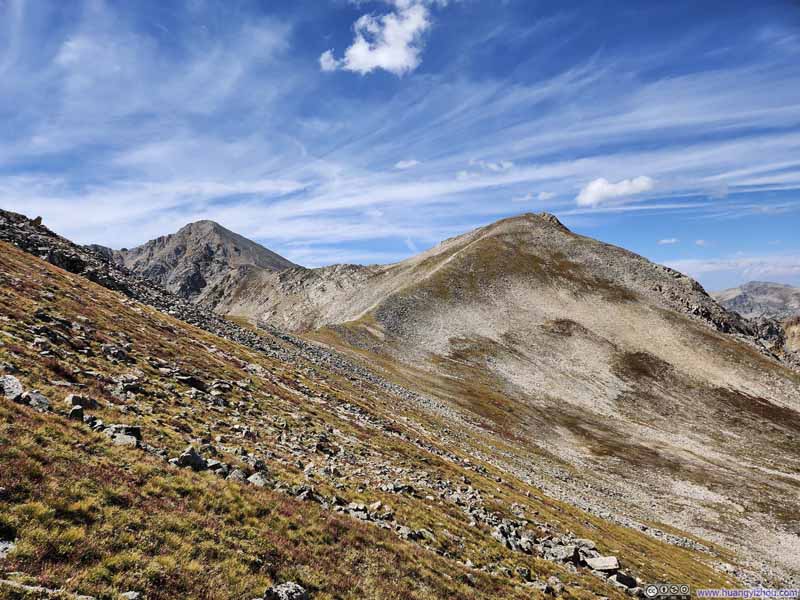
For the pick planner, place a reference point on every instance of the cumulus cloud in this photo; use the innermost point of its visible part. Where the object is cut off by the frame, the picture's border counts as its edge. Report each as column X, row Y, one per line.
column 544, row 196
column 327, row 62
column 392, row 42
column 668, row 241
column 406, row 164
column 600, row 190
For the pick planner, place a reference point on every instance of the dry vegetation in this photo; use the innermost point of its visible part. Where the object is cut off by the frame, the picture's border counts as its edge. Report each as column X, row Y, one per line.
column 588, row 369
column 100, row 519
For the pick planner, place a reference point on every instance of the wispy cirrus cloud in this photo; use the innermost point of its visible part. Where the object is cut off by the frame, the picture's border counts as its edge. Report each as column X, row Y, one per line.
column 232, row 119
column 777, row 267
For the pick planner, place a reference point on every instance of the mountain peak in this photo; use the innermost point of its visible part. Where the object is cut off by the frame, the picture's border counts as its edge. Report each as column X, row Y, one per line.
column 204, row 225
column 548, row 218
column 531, row 218
column 197, row 258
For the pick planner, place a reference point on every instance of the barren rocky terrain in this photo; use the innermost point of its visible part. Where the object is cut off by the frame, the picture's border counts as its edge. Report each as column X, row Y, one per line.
column 536, row 412
column 762, row 299
column 624, row 373
column 192, row 261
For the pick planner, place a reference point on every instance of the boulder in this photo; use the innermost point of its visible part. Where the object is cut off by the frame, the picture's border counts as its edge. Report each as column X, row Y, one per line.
column 307, row 493
column 125, row 440
column 622, row 580
column 82, row 401
column 526, row 544
column 76, row 413
column 191, row 459
column 36, row 400
column 407, row 533
column 505, row 535
column 237, row 475
column 568, row 553
column 6, row 547
column 11, row 387
column 286, row 591
column 120, row 429
column 357, row 510
column 554, row 586
column 258, row 479
column 603, row 563
column 114, row 352
column 191, row 381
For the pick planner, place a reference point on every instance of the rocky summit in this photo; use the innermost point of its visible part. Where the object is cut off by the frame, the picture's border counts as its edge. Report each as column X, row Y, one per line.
column 518, row 412
column 193, row 261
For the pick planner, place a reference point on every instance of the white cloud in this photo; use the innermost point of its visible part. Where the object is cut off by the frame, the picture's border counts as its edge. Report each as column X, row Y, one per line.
column 544, row 196
column 746, row 267
column 327, row 62
column 668, row 241
column 111, row 107
column 599, row 190
column 392, row 42
column 406, row 164
column 701, row 243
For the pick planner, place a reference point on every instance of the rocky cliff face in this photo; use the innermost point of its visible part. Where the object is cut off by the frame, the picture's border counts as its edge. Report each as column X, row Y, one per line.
column 762, row 299
column 199, row 256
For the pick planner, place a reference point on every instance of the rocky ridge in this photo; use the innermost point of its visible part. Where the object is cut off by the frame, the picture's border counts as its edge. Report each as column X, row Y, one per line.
column 255, row 450
column 464, row 425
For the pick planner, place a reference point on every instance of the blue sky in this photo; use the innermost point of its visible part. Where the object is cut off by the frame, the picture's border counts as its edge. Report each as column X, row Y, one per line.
column 358, row 131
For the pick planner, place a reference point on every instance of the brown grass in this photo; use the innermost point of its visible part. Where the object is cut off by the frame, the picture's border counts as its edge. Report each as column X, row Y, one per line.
column 97, row 519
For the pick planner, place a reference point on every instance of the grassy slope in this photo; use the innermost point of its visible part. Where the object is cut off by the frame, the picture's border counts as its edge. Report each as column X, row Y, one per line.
column 96, row 518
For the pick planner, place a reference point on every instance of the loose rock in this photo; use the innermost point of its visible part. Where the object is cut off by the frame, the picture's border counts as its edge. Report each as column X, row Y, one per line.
column 286, row 591
column 190, row 458
column 12, row 388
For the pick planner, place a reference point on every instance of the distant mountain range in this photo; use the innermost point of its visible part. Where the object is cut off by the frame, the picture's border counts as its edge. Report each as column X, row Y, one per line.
column 762, row 299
